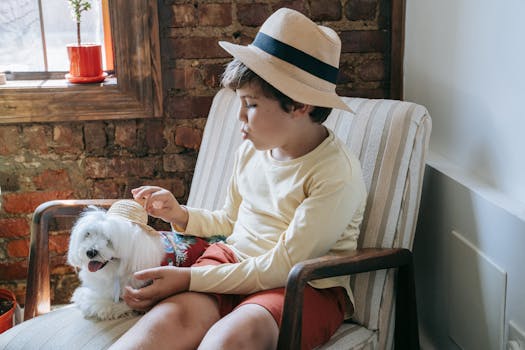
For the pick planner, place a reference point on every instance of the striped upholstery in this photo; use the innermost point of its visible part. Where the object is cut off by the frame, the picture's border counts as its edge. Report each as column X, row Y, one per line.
column 390, row 138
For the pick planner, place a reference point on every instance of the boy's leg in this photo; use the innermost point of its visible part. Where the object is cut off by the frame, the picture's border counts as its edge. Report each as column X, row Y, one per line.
column 259, row 315
column 249, row 326
column 177, row 322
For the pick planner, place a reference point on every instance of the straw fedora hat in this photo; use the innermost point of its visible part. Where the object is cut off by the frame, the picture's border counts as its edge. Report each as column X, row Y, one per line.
column 296, row 56
column 132, row 211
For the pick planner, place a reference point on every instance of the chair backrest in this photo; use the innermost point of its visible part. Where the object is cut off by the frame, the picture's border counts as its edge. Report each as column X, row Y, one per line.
column 390, row 138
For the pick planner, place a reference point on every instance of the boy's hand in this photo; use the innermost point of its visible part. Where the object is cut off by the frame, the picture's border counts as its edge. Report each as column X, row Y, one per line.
column 166, row 281
column 161, row 203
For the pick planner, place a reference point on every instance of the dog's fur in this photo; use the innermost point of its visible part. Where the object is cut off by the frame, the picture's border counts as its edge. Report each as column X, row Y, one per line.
column 123, row 247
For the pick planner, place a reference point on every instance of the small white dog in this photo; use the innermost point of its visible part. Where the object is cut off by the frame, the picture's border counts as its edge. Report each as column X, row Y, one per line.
column 108, row 247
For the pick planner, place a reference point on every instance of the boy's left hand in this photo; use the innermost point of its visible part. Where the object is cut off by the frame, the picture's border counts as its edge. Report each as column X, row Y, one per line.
column 166, row 281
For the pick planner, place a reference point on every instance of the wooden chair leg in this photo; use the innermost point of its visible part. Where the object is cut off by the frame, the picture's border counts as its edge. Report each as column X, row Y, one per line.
column 406, row 334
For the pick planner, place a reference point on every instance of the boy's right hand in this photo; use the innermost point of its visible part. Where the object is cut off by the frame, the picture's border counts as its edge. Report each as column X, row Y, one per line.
column 161, row 203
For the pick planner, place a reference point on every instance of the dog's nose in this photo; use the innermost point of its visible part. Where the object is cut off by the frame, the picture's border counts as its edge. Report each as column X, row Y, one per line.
column 92, row 253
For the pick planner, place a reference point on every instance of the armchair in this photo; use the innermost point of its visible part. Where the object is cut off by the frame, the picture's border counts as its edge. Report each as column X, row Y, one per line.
column 390, row 137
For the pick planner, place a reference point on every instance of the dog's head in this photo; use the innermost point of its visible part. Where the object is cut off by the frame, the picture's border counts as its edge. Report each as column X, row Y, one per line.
column 100, row 242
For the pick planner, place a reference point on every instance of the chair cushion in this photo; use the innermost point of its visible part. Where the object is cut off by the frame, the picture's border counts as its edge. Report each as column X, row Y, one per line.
column 351, row 336
column 65, row 328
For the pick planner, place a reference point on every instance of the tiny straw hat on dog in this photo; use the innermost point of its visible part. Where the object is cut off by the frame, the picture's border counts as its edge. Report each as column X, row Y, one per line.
column 296, row 56
column 132, row 211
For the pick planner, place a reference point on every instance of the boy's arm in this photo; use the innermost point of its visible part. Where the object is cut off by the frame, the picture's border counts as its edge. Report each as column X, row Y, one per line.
column 317, row 225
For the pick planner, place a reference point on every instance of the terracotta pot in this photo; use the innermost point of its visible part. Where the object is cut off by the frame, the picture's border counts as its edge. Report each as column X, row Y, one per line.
column 6, row 319
column 85, row 63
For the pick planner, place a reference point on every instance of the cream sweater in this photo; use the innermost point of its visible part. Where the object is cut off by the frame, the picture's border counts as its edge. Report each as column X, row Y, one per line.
column 278, row 213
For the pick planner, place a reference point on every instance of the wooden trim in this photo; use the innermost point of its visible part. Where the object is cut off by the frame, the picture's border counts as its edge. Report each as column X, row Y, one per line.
column 108, row 39
column 137, row 94
column 397, row 48
column 361, row 260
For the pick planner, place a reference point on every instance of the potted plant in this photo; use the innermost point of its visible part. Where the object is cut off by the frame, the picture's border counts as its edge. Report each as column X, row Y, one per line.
column 85, row 60
column 7, row 308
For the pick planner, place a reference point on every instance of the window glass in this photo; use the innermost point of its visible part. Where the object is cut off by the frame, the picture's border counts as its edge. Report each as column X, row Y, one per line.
column 21, row 45
column 24, row 47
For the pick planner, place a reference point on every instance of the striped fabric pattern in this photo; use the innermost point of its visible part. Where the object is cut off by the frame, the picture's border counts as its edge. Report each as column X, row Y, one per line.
column 389, row 137
column 351, row 336
column 64, row 328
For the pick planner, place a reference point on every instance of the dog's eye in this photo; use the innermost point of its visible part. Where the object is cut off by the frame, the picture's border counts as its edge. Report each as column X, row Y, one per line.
column 87, row 234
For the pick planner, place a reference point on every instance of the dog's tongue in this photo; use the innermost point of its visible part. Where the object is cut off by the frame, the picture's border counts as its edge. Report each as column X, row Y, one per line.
column 94, row 266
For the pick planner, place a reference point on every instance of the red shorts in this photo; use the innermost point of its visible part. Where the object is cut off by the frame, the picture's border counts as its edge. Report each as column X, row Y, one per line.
column 323, row 309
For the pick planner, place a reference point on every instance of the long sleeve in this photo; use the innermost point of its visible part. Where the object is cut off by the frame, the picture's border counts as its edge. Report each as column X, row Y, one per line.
column 287, row 212
column 318, row 224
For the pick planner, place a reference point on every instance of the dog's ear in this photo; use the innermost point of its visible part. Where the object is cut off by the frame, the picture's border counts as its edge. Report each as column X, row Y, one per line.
column 86, row 220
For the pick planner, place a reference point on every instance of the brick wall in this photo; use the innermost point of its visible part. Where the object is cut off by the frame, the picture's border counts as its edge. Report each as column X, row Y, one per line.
column 105, row 159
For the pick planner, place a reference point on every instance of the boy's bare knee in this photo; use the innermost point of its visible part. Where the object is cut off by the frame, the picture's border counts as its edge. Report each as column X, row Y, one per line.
column 187, row 311
column 249, row 327
column 178, row 322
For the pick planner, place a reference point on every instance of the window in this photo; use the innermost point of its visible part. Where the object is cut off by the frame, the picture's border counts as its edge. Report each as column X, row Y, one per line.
column 137, row 92
column 34, row 33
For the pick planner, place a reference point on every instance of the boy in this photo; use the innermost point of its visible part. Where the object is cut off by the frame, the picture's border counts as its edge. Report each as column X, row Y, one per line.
column 295, row 193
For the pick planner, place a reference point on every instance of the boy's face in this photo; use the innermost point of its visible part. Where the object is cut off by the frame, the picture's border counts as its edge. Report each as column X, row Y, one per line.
column 264, row 122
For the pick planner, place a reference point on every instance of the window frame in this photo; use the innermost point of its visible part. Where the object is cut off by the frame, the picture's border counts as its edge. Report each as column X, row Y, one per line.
column 137, row 92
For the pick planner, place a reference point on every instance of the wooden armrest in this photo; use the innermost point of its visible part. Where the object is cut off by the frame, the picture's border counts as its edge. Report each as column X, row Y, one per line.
column 361, row 260
column 37, row 293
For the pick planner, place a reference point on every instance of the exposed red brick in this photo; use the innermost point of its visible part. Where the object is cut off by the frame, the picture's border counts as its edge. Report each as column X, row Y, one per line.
column 252, row 15
column 297, row 5
column 68, row 139
column 95, row 137
column 11, row 142
column 212, row 74
column 52, row 180
column 106, row 189
column 326, row 10
column 18, row 248
column 364, row 41
column 218, row 15
column 183, row 15
column 185, row 78
column 364, row 10
column 36, row 138
column 179, row 162
column 174, row 184
column 188, row 137
column 373, row 70
column 59, row 243
column 126, row 133
column 196, row 47
column 155, row 139
column 97, row 168
column 14, row 227
column 362, row 92
column 26, row 202
column 13, row 271
column 182, row 107
column 9, row 181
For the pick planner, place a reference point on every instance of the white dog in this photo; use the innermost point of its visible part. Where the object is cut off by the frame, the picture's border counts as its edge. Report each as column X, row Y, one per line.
column 108, row 247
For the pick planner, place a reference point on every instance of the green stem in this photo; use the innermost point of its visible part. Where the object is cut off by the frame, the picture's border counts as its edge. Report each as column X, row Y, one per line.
column 78, row 33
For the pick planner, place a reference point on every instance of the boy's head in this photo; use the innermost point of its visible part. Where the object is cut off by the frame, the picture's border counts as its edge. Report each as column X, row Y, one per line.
column 237, row 75
column 293, row 60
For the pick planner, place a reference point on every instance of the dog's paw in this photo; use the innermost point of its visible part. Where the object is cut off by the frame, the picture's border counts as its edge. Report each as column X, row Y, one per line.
column 114, row 311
